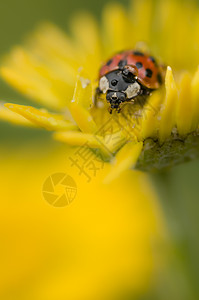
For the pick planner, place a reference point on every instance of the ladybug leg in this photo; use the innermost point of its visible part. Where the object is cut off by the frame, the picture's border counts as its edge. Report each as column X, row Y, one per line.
column 141, row 99
column 98, row 91
column 110, row 110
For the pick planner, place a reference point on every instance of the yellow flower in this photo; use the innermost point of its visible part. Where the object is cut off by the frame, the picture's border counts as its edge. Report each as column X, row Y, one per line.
column 162, row 133
column 99, row 247
column 103, row 246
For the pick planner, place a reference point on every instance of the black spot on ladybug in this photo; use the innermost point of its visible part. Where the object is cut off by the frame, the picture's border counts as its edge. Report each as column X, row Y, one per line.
column 152, row 59
column 109, row 62
column 138, row 53
column 149, row 73
column 122, row 63
column 159, row 78
column 139, row 65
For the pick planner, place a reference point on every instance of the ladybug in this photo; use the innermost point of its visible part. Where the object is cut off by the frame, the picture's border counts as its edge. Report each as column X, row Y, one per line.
column 129, row 76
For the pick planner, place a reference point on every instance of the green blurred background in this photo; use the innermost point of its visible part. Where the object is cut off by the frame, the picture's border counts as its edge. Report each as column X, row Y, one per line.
column 179, row 188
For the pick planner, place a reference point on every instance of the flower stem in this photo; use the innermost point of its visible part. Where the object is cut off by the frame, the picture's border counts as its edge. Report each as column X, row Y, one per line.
column 180, row 279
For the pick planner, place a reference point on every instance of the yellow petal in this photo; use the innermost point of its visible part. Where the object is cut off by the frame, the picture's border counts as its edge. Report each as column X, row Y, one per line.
column 79, row 107
column 195, row 100
column 42, row 117
column 150, row 119
column 88, row 41
column 114, row 141
column 50, row 41
column 141, row 13
column 168, row 111
column 184, row 113
column 83, row 118
column 125, row 159
column 45, row 79
column 76, row 138
column 8, row 115
column 33, row 87
column 83, row 90
column 108, row 144
column 117, row 35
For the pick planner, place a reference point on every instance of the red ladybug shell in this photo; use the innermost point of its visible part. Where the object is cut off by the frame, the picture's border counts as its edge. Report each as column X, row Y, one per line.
column 149, row 73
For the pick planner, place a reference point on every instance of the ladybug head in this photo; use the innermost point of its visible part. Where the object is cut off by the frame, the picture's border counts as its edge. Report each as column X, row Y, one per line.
column 120, row 85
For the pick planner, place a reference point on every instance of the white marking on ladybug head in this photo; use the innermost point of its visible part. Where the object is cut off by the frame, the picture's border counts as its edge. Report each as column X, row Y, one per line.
column 114, row 95
column 104, row 84
column 133, row 90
